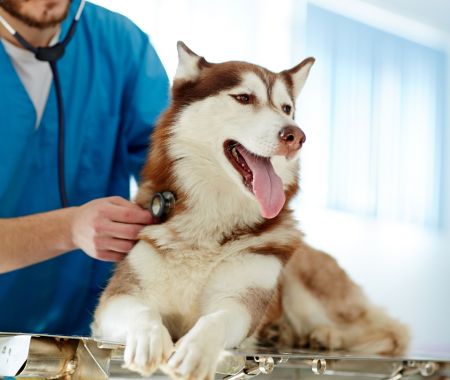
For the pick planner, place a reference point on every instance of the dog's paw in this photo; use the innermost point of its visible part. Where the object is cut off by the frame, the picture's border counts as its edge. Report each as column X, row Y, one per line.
column 194, row 359
column 326, row 337
column 147, row 348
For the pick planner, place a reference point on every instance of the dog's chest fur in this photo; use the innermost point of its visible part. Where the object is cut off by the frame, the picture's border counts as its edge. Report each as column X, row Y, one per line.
column 176, row 277
column 176, row 273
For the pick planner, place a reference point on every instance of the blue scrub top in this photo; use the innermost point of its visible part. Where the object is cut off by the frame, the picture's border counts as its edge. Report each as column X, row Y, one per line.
column 114, row 87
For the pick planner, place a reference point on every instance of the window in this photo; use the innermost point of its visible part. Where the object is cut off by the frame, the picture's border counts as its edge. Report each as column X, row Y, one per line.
column 375, row 109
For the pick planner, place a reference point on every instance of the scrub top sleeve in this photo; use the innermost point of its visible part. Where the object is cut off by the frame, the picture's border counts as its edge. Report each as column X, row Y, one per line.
column 147, row 98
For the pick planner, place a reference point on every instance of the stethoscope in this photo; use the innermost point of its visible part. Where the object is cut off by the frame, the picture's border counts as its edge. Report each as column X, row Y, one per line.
column 51, row 54
column 161, row 204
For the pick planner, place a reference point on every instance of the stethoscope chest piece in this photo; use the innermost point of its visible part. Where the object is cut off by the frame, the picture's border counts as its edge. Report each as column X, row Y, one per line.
column 161, row 204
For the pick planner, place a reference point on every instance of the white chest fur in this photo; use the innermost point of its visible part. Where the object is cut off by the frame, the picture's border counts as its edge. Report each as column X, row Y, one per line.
column 177, row 281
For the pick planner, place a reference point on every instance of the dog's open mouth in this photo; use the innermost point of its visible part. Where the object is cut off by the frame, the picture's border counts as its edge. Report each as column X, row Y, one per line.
column 258, row 176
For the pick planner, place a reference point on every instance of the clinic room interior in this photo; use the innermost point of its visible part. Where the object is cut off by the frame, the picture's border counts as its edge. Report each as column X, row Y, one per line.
column 375, row 169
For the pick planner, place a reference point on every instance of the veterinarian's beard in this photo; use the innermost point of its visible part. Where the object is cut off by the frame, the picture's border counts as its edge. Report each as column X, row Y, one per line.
column 13, row 7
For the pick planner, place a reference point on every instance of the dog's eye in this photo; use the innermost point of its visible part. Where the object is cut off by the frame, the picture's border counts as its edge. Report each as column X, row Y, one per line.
column 244, row 98
column 287, row 109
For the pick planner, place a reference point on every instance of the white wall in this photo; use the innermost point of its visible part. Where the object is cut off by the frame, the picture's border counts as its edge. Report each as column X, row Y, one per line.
column 219, row 30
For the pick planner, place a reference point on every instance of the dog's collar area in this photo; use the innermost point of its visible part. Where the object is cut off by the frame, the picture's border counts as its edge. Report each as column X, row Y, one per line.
column 161, row 204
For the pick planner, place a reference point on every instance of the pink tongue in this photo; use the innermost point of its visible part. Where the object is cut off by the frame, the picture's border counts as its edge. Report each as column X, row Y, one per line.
column 267, row 186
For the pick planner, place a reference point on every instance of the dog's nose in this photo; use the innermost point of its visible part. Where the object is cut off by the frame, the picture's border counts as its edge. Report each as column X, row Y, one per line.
column 292, row 137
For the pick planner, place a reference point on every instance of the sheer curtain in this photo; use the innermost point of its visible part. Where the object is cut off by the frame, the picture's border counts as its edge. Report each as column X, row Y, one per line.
column 373, row 110
column 376, row 113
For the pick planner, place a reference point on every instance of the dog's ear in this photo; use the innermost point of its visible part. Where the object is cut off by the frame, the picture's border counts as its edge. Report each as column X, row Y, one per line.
column 189, row 64
column 299, row 74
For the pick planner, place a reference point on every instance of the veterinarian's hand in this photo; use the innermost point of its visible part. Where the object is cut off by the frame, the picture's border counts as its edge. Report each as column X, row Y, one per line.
column 107, row 228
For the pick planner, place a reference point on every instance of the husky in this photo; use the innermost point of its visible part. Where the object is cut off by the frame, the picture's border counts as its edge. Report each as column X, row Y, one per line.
column 229, row 264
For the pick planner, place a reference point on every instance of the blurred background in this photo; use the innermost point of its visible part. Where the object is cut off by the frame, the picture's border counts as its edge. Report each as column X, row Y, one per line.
column 376, row 165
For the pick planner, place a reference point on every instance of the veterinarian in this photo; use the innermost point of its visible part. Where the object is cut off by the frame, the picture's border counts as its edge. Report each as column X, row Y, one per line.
column 55, row 260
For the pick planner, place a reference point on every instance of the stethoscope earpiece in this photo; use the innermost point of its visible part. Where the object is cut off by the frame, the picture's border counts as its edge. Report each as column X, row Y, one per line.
column 161, row 204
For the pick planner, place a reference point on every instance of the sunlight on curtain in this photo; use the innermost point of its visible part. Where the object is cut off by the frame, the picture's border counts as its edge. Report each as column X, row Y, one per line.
column 376, row 115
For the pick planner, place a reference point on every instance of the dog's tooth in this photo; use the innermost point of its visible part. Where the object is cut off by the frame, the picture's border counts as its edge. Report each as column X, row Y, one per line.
column 234, row 153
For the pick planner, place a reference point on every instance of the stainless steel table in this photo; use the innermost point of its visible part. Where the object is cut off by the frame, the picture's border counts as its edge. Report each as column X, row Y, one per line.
column 61, row 357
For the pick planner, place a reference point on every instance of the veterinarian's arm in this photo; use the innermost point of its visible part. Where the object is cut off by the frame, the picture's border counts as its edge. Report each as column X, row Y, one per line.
column 105, row 229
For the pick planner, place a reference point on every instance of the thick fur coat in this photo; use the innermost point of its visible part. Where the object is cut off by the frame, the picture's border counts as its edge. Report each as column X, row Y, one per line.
column 229, row 262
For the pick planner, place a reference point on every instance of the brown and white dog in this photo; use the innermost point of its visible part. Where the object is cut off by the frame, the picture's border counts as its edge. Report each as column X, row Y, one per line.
column 229, row 261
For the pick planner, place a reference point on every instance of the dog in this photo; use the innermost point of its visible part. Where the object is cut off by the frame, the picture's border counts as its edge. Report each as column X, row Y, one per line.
column 229, row 265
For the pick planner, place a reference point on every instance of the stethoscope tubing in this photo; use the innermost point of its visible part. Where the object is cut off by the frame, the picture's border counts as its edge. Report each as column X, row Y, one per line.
column 45, row 54
column 61, row 139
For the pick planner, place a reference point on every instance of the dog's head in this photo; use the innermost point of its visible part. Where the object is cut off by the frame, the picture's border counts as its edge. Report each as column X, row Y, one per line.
column 235, row 120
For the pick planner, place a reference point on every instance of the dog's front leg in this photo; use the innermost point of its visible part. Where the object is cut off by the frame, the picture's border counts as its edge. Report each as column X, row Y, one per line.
column 198, row 351
column 233, row 304
column 126, row 318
